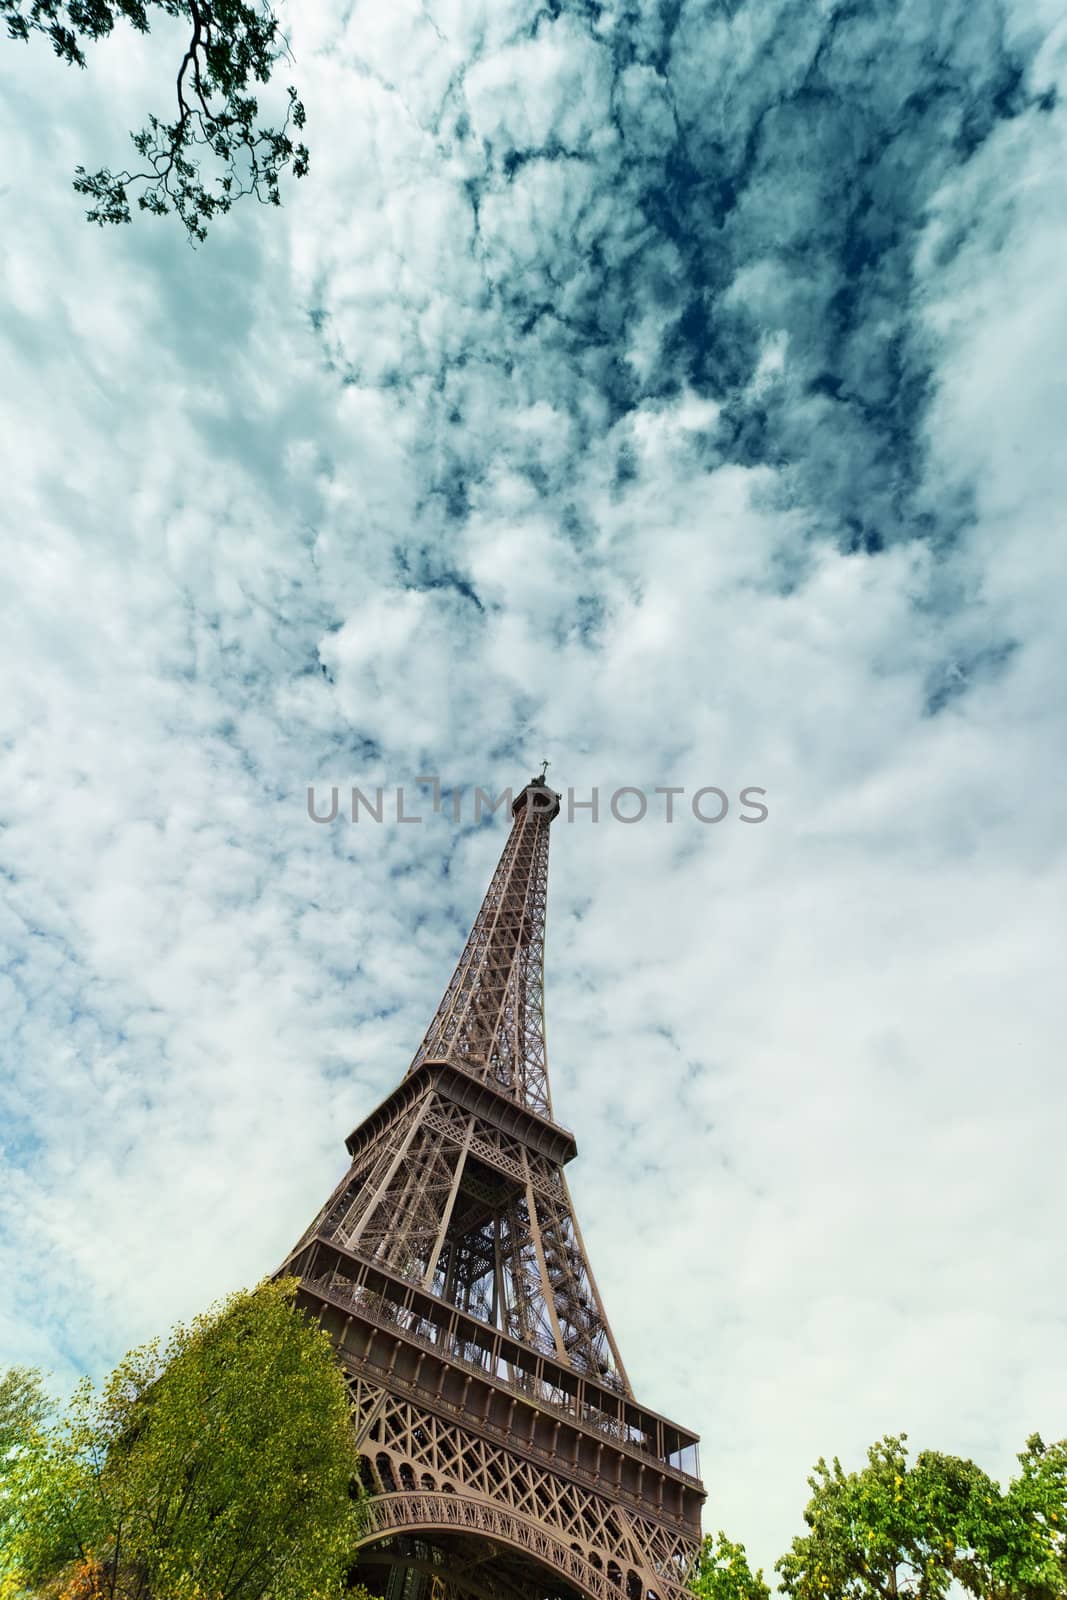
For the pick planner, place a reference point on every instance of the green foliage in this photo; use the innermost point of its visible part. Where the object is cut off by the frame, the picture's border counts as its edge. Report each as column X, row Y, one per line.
column 909, row 1532
column 23, row 1408
column 1039, row 1496
column 723, row 1573
column 219, row 1466
column 212, row 153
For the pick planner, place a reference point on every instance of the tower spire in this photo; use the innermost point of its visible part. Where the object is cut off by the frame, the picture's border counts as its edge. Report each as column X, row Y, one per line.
column 491, row 1019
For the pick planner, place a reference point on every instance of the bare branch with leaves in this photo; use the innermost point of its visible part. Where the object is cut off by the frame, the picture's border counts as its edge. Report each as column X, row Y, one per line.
column 213, row 152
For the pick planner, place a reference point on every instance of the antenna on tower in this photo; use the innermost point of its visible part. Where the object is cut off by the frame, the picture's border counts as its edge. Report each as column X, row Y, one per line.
column 545, row 764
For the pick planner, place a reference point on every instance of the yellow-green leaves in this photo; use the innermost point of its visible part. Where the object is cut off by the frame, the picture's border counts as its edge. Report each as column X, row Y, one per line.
column 23, row 1409
column 909, row 1531
column 723, row 1573
column 217, row 1467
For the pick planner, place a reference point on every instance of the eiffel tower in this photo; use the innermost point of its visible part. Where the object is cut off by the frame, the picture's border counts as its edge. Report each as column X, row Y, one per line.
column 502, row 1449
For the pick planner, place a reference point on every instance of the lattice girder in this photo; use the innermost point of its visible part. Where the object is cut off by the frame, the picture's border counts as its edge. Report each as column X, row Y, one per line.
column 486, row 1488
column 491, row 1017
column 446, row 1199
column 503, row 1450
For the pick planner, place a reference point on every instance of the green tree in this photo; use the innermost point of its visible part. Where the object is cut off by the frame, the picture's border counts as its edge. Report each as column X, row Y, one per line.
column 722, row 1572
column 897, row 1532
column 23, row 1408
column 212, row 152
column 219, row 1466
column 1033, row 1566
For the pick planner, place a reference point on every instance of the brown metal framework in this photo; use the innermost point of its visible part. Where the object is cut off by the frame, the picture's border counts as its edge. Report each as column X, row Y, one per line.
column 500, row 1441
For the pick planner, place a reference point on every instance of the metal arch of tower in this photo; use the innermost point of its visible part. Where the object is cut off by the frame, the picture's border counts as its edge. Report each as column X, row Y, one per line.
column 501, row 1442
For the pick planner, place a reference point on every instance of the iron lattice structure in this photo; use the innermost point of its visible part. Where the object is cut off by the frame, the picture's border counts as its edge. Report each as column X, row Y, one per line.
column 503, row 1450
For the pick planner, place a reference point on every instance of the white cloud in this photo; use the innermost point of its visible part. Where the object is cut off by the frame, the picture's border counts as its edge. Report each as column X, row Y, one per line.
column 541, row 466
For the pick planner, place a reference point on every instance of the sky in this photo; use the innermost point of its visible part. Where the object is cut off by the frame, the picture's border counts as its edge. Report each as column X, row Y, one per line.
column 674, row 391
